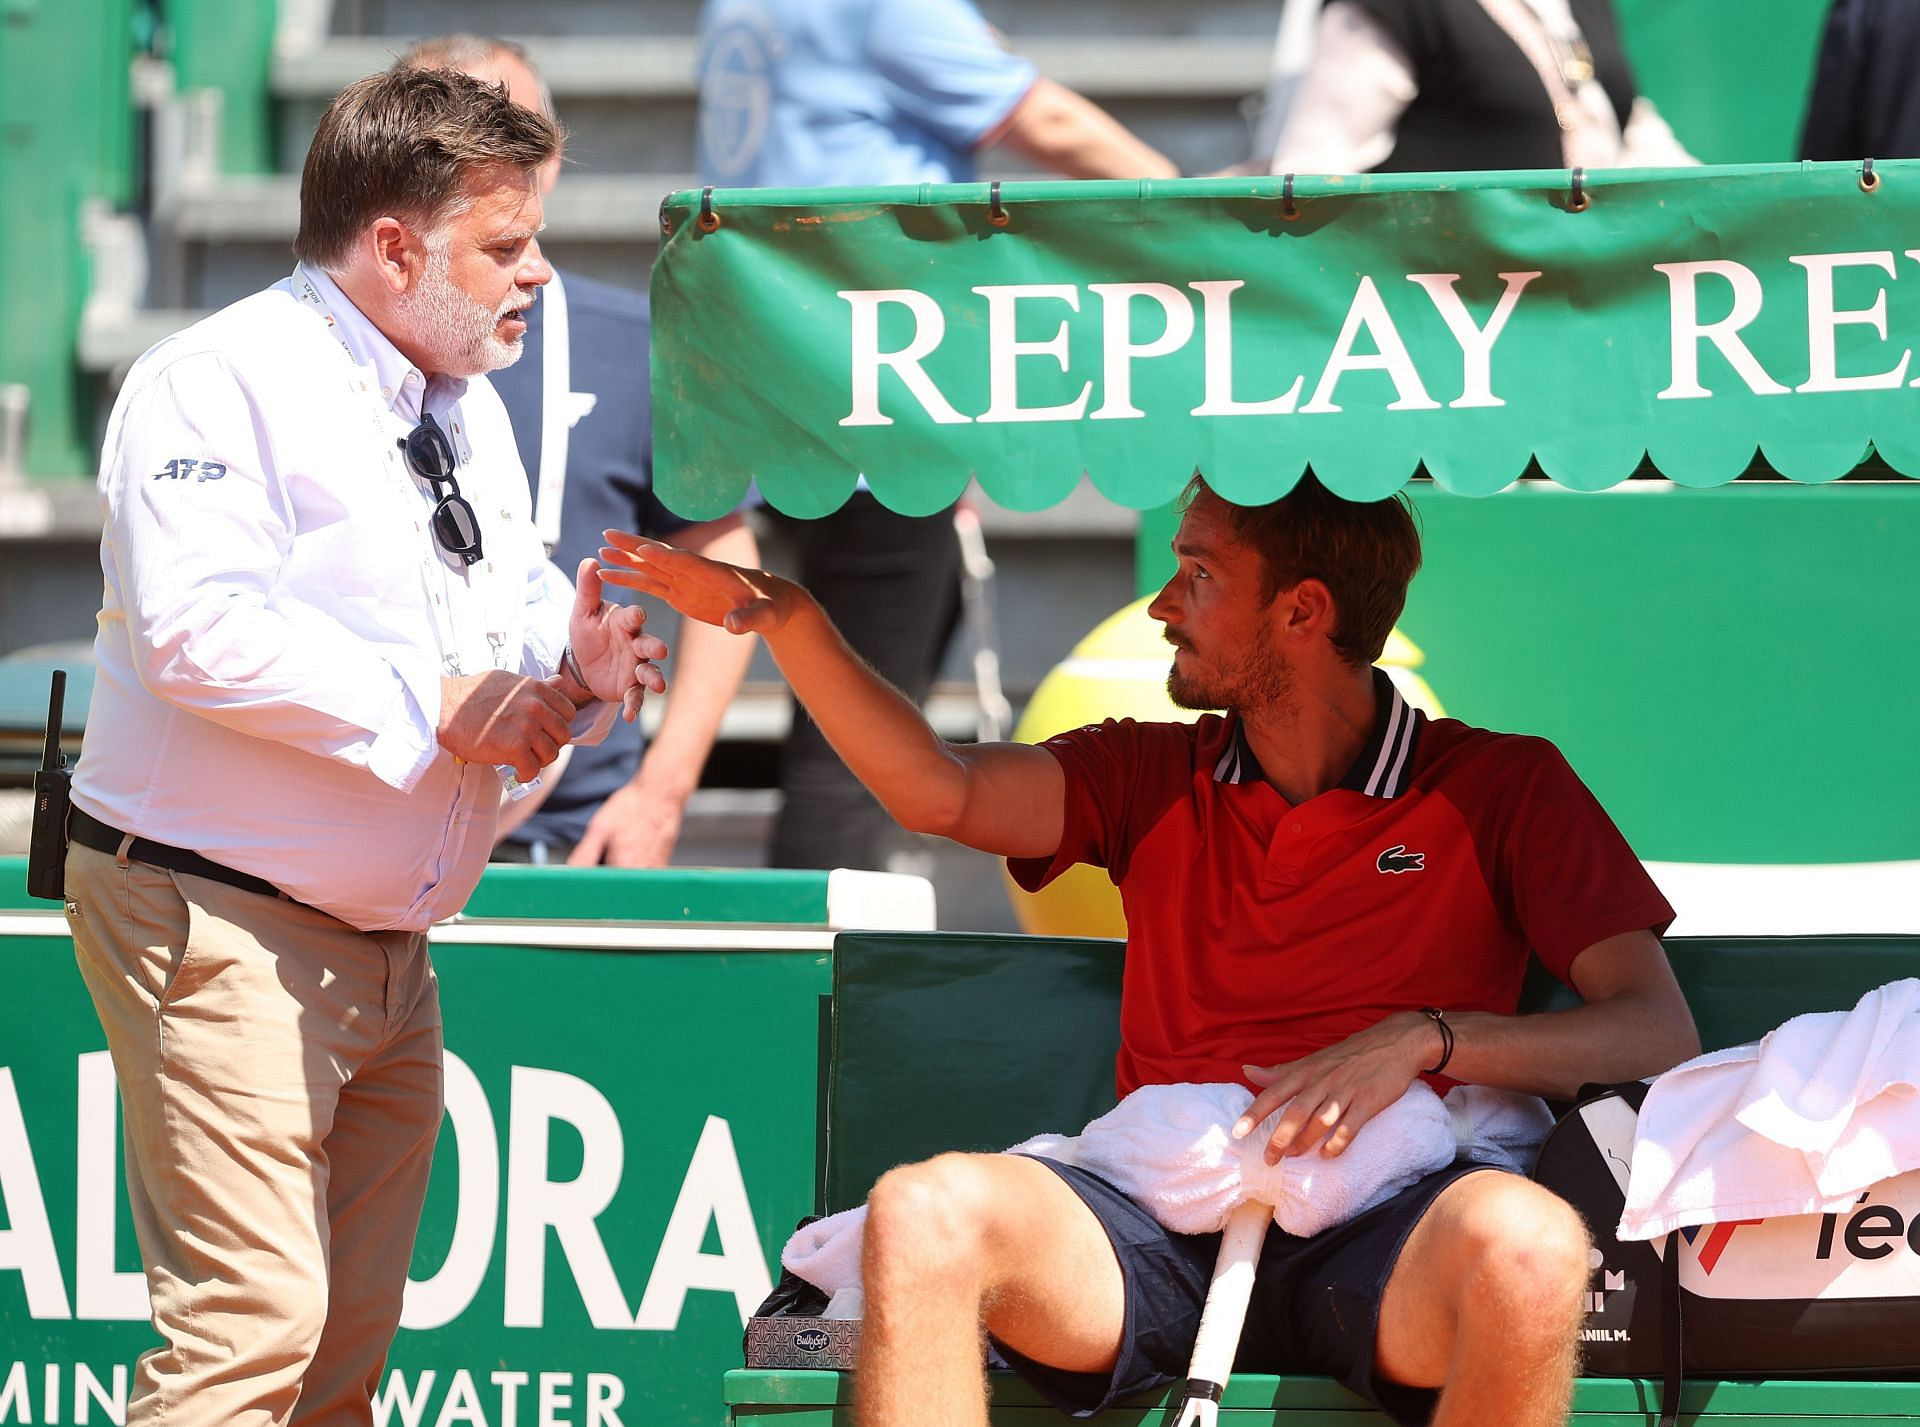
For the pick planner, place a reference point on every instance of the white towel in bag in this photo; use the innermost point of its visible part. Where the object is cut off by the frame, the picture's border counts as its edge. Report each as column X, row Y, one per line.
column 1799, row 1122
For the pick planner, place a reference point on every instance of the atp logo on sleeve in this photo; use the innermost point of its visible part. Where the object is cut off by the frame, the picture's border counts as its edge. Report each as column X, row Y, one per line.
column 181, row 467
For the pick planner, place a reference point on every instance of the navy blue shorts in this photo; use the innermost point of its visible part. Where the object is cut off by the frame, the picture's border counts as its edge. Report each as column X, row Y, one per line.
column 1315, row 1308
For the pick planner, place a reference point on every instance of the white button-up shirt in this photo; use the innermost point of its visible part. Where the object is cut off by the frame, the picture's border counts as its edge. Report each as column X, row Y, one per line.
column 278, row 617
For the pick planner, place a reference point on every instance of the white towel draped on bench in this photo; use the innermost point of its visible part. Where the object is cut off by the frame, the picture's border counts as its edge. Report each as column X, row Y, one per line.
column 1799, row 1122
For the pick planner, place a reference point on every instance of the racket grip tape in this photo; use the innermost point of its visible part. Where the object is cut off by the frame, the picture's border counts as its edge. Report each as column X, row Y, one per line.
column 1225, row 1312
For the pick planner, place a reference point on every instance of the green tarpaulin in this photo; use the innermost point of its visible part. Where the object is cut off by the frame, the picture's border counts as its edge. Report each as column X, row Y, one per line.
column 1698, row 323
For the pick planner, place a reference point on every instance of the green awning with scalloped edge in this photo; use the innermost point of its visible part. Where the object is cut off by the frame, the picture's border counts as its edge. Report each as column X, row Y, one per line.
column 1701, row 323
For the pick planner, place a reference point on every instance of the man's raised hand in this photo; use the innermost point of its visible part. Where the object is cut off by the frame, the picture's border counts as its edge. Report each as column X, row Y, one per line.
column 609, row 640
column 739, row 600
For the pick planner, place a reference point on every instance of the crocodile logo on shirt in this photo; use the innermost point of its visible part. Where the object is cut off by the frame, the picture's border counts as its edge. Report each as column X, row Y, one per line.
column 1397, row 859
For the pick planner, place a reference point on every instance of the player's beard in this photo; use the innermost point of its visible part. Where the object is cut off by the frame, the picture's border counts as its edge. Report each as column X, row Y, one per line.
column 1260, row 679
column 447, row 321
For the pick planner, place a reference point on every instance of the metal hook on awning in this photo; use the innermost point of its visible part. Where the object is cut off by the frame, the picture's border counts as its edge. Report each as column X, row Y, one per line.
column 666, row 218
column 1579, row 200
column 1869, row 180
column 996, row 211
column 1289, row 210
column 709, row 220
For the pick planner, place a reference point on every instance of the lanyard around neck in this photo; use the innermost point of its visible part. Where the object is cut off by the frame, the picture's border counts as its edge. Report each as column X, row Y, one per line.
column 556, row 416
column 304, row 289
column 456, row 428
column 434, row 571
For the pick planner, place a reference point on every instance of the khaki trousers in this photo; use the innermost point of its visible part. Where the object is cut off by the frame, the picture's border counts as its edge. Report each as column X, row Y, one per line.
column 280, row 1078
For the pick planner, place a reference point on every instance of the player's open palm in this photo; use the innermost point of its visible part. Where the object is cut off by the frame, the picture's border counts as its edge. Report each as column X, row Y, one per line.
column 739, row 600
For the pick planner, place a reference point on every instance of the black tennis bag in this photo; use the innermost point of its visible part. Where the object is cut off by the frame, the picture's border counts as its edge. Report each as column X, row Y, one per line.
column 1807, row 1295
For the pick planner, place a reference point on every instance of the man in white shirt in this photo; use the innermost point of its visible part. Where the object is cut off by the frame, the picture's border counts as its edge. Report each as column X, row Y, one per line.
column 328, row 633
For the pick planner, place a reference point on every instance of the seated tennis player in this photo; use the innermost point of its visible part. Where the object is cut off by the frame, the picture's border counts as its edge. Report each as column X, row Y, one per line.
column 1327, row 894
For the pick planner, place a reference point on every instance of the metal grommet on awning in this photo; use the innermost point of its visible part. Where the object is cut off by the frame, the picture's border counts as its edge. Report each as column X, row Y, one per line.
column 1578, row 199
column 1289, row 210
column 1869, row 180
column 709, row 220
column 996, row 211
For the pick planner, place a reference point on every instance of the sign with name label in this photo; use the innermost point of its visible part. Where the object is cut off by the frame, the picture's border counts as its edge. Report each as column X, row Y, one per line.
column 1697, row 320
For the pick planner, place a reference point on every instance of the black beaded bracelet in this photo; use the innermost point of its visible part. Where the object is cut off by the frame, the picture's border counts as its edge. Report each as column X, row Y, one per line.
column 1446, row 1038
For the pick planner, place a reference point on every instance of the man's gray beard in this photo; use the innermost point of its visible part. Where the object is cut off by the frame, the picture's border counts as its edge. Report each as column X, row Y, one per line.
column 447, row 321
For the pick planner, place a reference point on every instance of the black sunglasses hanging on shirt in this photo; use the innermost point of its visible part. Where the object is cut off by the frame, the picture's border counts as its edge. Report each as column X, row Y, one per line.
column 430, row 456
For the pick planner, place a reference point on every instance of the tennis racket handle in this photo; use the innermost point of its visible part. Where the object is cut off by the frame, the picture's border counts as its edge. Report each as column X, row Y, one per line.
column 1225, row 1312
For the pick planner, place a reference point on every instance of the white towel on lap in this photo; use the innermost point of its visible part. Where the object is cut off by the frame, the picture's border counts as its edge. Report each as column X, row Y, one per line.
column 1503, row 1127
column 1170, row 1148
column 1797, row 1123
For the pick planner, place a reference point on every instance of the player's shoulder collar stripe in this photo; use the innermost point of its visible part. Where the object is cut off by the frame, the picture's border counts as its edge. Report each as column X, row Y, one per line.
column 1236, row 762
column 1384, row 767
column 1385, row 773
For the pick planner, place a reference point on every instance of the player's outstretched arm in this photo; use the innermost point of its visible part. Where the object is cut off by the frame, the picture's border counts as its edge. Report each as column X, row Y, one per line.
column 1004, row 798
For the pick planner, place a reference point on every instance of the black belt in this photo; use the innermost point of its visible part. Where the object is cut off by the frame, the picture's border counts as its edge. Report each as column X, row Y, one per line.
column 89, row 831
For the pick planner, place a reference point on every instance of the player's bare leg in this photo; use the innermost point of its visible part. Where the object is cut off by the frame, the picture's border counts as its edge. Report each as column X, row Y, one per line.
column 963, row 1242
column 1486, row 1303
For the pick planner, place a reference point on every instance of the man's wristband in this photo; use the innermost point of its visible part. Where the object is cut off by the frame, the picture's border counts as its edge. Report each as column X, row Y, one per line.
column 1446, row 1038
column 570, row 666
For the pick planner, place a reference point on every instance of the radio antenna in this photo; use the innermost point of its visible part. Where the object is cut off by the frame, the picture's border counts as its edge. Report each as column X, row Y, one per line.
column 56, row 705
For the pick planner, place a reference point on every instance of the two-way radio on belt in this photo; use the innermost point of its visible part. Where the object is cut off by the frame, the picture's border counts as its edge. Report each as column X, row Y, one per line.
column 47, row 845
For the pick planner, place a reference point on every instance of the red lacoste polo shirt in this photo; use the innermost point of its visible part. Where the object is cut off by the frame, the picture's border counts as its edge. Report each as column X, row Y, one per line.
column 1259, row 931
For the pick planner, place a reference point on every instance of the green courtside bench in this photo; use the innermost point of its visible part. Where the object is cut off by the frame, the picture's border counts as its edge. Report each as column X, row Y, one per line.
column 957, row 1041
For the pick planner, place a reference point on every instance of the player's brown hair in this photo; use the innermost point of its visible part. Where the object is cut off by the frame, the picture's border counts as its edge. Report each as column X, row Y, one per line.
column 404, row 142
column 1364, row 552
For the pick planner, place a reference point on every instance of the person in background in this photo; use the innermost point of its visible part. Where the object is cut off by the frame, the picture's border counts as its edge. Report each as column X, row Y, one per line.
column 1865, row 103
column 806, row 93
column 582, row 417
column 1400, row 86
column 328, row 630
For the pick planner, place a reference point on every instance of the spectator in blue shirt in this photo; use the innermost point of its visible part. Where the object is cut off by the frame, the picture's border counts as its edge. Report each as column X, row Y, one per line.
column 619, row 803
column 808, row 93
